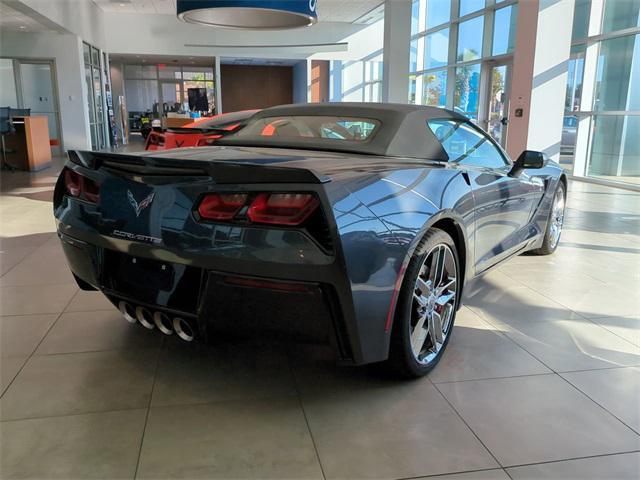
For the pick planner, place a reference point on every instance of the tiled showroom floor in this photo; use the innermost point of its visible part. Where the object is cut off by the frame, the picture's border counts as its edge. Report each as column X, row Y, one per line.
column 541, row 379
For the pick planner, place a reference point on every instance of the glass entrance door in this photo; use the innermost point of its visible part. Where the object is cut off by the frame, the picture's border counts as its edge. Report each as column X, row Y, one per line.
column 497, row 106
column 39, row 94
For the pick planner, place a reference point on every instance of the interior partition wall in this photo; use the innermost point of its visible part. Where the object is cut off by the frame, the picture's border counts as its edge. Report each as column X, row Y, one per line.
column 602, row 108
column 32, row 84
column 460, row 56
column 152, row 91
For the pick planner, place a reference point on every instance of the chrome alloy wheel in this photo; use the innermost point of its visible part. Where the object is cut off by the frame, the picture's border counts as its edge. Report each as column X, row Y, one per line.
column 557, row 217
column 434, row 303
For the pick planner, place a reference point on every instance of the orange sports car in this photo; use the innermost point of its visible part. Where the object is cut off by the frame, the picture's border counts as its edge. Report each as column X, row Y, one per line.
column 199, row 133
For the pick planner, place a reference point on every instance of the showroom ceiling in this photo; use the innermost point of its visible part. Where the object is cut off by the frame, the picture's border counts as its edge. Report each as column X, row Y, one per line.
column 13, row 20
column 328, row 10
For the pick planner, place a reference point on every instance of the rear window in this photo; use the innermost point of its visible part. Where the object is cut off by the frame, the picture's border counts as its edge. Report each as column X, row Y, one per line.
column 347, row 129
column 224, row 120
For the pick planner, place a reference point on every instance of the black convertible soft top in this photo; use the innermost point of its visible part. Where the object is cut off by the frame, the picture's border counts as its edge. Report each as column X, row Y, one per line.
column 403, row 130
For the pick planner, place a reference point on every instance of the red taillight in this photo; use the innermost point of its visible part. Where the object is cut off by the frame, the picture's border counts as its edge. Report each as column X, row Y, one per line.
column 282, row 208
column 289, row 209
column 81, row 187
column 221, row 206
column 72, row 182
column 90, row 190
column 208, row 141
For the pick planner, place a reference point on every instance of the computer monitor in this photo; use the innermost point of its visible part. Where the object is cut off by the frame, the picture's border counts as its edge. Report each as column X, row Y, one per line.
column 19, row 112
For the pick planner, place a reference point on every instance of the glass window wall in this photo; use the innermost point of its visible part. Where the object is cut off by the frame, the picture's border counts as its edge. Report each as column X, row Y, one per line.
column 357, row 81
column 415, row 16
column 575, row 70
column 470, row 6
column 618, row 74
column 467, row 88
column 435, row 89
column 611, row 117
column 504, row 30
column 470, row 34
column 436, row 49
column 438, row 12
column 615, row 150
column 620, row 14
column 581, row 19
column 448, row 50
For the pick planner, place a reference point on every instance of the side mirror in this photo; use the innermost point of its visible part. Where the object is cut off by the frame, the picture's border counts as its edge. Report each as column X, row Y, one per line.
column 528, row 159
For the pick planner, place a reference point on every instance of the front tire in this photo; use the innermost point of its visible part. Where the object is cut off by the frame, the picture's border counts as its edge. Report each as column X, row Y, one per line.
column 555, row 222
column 426, row 306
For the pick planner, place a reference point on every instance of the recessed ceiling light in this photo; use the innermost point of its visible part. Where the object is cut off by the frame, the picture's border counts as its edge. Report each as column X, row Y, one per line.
column 22, row 27
column 122, row 4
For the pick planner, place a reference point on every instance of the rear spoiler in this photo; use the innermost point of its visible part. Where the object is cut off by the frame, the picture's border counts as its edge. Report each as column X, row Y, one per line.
column 221, row 171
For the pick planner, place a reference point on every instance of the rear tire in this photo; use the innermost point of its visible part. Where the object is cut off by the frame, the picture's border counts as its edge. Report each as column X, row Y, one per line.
column 555, row 222
column 426, row 307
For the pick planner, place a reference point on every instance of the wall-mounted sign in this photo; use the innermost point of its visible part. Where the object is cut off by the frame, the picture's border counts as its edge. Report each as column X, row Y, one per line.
column 249, row 14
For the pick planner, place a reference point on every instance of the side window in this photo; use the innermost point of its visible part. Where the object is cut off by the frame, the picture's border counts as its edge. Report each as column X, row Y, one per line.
column 465, row 145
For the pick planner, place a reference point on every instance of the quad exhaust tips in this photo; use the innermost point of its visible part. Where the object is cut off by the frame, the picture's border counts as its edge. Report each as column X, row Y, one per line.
column 183, row 329
column 162, row 321
column 145, row 318
column 128, row 312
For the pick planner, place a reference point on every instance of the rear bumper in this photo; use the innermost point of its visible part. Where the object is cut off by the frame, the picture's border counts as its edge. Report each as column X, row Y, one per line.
column 302, row 303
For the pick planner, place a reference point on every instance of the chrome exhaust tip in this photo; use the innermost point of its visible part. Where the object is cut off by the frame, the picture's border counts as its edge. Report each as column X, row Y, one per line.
column 127, row 311
column 183, row 329
column 145, row 317
column 163, row 322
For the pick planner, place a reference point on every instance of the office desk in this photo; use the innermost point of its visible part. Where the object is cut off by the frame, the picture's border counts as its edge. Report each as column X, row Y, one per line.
column 30, row 143
column 176, row 122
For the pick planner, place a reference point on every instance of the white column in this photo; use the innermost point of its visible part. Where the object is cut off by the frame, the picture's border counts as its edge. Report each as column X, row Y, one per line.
column 395, row 57
column 539, row 82
column 217, row 84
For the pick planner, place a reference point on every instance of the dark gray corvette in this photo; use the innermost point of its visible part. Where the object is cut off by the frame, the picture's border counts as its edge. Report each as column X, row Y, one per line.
column 358, row 224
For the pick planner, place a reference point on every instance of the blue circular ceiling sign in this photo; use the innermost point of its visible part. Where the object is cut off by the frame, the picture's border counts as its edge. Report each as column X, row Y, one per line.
column 249, row 14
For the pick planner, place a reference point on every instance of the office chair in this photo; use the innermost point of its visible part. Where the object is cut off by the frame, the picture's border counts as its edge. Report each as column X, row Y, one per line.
column 6, row 127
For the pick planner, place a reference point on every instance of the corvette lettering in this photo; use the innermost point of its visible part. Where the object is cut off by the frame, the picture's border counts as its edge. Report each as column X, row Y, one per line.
column 136, row 237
